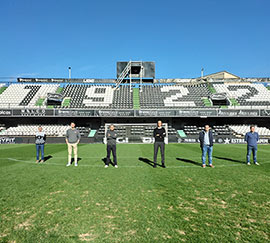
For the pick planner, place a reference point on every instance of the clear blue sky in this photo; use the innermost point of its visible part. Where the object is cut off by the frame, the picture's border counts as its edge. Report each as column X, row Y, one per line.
column 41, row 38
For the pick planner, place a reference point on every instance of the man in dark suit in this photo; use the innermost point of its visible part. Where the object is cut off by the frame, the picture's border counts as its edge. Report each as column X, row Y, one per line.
column 206, row 143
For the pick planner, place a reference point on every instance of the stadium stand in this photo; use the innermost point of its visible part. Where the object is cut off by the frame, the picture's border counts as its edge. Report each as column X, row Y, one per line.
column 246, row 94
column 136, row 130
column 171, row 96
column 97, row 96
column 217, row 130
column 241, row 130
column 2, row 127
column 21, row 95
column 227, row 130
column 161, row 96
column 123, row 98
column 50, row 130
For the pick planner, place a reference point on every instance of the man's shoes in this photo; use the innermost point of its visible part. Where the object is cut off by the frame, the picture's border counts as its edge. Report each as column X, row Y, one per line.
column 116, row 166
column 37, row 161
column 163, row 165
column 68, row 164
column 76, row 164
column 256, row 163
column 155, row 165
column 203, row 165
column 42, row 161
column 106, row 166
column 211, row 166
column 248, row 163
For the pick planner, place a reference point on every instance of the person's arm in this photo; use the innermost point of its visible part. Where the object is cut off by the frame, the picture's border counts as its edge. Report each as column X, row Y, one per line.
column 154, row 133
column 246, row 137
column 114, row 135
column 67, row 137
column 44, row 137
column 79, row 137
column 201, row 139
column 200, row 136
column 164, row 133
column 258, row 137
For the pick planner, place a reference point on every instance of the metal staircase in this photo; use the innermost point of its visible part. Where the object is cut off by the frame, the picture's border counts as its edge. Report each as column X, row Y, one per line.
column 124, row 73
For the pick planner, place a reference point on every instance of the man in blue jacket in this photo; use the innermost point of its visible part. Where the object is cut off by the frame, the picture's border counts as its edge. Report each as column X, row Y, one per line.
column 206, row 143
column 252, row 138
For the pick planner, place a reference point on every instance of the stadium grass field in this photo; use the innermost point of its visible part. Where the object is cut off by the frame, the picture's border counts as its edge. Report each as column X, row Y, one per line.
column 135, row 203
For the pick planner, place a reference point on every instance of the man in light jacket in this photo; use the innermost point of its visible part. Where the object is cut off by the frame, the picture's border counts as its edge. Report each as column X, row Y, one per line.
column 73, row 137
column 40, row 143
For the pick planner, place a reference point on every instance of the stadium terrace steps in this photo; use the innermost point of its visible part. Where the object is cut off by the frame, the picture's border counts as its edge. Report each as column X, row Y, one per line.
column 18, row 95
column 136, row 99
column 104, row 96
column 53, row 130
column 245, row 94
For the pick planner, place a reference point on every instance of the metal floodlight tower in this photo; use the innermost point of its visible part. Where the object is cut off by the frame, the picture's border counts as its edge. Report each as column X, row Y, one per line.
column 69, row 73
column 127, row 72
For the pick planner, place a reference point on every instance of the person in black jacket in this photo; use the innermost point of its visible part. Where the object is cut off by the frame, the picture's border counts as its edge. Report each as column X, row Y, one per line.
column 206, row 143
column 159, row 134
column 111, row 136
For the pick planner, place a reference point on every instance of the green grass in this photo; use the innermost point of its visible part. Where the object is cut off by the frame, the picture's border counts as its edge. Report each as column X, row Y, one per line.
column 135, row 203
column 59, row 90
column 211, row 88
column 234, row 102
column 207, row 102
column 40, row 101
column 2, row 89
column 136, row 99
column 66, row 102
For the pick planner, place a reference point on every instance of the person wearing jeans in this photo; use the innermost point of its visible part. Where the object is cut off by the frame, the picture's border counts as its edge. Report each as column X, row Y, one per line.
column 252, row 138
column 206, row 144
column 40, row 143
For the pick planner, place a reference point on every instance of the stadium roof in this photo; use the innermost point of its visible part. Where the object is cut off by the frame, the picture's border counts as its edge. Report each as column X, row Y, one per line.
column 222, row 75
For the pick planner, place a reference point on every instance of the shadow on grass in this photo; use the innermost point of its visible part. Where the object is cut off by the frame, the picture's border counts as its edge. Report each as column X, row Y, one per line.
column 148, row 161
column 189, row 161
column 72, row 160
column 47, row 158
column 229, row 159
column 104, row 161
